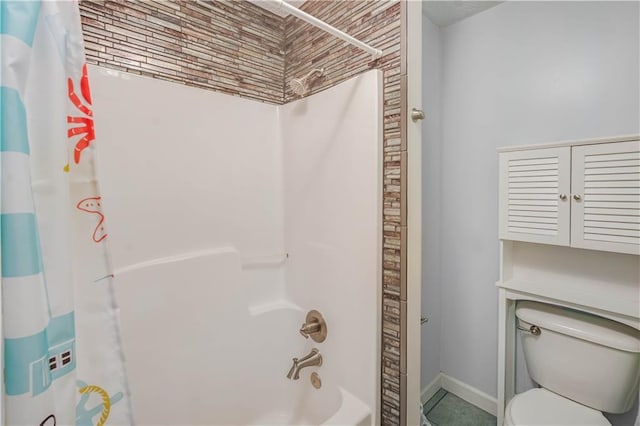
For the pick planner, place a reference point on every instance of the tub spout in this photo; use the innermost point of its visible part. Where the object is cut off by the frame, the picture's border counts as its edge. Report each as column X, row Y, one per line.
column 293, row 368
column 313, row 359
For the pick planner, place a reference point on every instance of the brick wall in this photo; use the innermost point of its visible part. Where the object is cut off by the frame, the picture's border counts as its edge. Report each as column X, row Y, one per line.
column 238, row 48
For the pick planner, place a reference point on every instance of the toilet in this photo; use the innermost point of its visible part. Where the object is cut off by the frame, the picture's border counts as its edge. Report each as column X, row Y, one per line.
column 584, row 364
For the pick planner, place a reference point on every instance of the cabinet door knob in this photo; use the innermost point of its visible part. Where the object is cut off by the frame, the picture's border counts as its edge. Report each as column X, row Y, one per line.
column 577, row 197
column 563, row 197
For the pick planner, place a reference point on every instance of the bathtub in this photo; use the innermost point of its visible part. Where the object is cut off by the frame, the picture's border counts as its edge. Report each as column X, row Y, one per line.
column 200, row 351
column 336, row 407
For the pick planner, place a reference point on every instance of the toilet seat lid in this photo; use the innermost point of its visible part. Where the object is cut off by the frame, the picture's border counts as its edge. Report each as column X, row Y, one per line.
column 543, row 407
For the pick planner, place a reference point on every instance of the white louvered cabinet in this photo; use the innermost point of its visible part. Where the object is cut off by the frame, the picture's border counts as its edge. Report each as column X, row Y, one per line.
column 605, row 210
column 534, row 195
column 584, row 195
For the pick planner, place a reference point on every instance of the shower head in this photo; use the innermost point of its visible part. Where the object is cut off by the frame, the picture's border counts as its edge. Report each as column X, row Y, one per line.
column 300, row 86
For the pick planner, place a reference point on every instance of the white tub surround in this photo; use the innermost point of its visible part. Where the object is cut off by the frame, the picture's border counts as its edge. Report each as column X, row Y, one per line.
column 197, row 355
column 333, row 198
column 229, row 220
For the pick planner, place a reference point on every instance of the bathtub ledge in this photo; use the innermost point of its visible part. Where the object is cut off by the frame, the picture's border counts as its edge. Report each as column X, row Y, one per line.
column 263, row 308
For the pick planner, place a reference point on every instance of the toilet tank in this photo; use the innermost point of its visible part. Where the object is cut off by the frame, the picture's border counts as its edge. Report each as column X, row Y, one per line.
column 583, row 357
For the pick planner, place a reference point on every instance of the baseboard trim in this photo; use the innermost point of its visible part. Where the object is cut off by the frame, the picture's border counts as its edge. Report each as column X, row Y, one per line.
column 470, row 394
column 431, row 389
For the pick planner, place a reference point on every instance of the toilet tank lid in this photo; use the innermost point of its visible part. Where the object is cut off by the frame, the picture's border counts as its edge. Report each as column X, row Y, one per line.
column 580, row 325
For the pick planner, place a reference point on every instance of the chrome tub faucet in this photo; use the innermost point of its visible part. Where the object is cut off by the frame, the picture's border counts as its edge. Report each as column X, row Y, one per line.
column 313, row 359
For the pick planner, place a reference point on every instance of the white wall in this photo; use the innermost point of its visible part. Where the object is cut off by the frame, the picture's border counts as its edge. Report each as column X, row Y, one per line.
column 431, row 152
column 185, row 169
column 519, row 73
column 333, row 198
column 196, row 176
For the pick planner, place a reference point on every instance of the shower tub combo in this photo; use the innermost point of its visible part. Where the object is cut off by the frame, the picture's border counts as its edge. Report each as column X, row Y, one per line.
column 224, row 235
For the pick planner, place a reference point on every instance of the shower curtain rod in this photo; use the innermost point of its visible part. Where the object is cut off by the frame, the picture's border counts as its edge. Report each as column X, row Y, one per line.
column 376, row 53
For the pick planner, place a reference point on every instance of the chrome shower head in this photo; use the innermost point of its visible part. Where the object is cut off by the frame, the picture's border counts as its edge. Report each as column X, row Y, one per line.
column 300, row 86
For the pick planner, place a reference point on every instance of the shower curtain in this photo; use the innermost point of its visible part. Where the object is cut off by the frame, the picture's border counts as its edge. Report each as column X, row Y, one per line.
column 62, row 359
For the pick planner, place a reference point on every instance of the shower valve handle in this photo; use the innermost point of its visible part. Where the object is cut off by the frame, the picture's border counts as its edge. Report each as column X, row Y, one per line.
column 314, row 327
column 309, row 328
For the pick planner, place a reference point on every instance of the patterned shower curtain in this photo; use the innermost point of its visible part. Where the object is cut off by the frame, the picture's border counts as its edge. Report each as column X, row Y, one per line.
column 62, row 359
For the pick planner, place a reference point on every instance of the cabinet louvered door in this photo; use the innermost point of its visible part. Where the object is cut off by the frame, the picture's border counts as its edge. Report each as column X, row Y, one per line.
column 534, row 191
column 605, row 211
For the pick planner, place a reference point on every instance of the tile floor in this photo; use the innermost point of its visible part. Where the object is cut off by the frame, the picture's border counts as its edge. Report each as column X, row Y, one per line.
column 446, row 409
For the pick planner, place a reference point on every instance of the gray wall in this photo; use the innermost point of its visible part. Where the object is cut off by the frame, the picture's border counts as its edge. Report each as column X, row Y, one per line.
column 519, row 73
column 431, row 147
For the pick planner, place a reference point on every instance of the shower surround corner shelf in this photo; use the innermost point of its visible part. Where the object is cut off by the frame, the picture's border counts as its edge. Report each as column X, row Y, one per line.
column 552, row 248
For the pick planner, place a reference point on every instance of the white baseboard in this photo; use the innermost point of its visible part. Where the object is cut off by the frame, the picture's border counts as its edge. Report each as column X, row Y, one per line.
column 431, row 389
column 462, row 390
column 470, row 394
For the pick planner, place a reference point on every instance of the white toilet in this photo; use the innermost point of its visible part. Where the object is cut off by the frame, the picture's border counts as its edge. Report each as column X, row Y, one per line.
column 585, row 365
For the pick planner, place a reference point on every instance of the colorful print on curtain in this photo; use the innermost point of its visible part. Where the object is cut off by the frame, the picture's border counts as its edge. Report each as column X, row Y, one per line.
column 61, row 353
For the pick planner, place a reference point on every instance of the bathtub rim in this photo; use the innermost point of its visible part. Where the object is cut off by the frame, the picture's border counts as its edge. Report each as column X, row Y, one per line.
column 352, row 411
